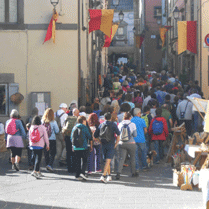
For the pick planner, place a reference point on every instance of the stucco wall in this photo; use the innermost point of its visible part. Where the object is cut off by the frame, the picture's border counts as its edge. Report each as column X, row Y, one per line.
column 39, row 11
column 14, row 59
column 49, row 67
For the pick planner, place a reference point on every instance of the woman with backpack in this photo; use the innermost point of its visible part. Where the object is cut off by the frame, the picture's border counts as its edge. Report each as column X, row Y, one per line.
column 95, row 154
column 127, row 143
column 158, row 130
column 52, row 129
column 14, row 134
column 38, row 137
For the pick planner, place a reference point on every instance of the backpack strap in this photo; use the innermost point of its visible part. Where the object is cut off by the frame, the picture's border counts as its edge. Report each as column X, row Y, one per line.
column 39, row 132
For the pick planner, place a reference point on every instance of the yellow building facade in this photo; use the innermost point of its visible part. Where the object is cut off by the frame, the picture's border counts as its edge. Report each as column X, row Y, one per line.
column 61, row 70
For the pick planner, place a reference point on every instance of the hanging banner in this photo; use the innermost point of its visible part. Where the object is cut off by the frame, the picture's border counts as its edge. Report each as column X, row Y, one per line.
column 187, row 36
column 101, row 19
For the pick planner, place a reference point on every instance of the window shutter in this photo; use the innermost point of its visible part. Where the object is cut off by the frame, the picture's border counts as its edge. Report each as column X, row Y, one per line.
column 13, row 88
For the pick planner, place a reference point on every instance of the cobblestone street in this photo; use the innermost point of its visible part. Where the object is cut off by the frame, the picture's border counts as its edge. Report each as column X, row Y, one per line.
column 152, row 189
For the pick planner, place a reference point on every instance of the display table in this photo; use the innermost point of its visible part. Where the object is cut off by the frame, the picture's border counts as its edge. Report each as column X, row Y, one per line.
column 191, row 149
column 200, row 156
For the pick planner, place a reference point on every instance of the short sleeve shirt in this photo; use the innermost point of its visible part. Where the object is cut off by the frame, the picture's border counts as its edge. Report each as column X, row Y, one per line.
column 140, row 125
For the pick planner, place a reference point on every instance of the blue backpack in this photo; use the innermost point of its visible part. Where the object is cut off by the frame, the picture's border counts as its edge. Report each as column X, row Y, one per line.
column 157, row 127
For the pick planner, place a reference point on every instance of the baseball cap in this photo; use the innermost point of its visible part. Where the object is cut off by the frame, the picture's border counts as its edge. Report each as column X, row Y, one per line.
column 82, row 114
column 63, row 105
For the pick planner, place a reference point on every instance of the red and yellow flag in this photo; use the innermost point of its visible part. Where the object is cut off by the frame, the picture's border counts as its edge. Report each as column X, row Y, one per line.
column 51, row 28
column 163, row 32
column 139, row 40
column 187, row 36
column 108, row 40
column 101, row 19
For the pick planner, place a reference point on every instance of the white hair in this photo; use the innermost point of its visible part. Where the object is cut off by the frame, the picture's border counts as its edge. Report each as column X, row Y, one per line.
column 14, row 114
column 137, row 111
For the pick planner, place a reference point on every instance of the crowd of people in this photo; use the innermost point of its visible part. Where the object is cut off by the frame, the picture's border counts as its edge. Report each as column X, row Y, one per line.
column 133, row 118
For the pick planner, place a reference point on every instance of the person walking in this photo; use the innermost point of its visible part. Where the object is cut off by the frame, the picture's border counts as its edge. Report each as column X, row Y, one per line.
column 106, row 132
column 158, row 130
column 95, row 155
column 80, row 136
column 70, row 122
column 38, row 137
column 60, row 117
column 184, row 114
column 127, row 144
column 14, row 134
column 141, row 148
column 52, row 129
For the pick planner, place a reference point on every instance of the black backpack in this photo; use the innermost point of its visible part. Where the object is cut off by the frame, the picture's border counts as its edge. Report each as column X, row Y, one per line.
column 106, row 132
column 57, row 119
column 77, row 138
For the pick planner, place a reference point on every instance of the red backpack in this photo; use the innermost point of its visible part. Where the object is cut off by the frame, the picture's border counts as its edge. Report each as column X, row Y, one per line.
column 35, row 135
column 11, row 128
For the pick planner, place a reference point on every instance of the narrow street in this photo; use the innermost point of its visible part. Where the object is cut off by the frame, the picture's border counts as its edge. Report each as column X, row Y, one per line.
column 152, row 189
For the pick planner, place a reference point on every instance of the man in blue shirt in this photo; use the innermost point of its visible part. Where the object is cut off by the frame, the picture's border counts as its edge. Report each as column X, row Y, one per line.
column 141, row 151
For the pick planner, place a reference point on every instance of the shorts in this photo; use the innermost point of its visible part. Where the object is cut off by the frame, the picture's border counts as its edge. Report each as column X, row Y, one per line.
column 16, row 151
column 108, row 150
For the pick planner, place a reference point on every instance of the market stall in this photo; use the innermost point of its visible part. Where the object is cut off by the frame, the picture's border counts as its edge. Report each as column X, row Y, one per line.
column 195, row 170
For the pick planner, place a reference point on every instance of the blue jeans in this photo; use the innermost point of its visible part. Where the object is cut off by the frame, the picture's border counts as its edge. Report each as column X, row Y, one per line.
column 148, row 142
column 141, row 155
column 94, row 158
column 158, row 145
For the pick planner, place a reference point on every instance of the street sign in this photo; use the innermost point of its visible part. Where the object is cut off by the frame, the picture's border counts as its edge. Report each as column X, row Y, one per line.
column 207, row 40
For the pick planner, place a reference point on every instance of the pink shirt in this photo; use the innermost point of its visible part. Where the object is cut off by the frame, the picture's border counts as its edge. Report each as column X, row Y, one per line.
column 44, row 136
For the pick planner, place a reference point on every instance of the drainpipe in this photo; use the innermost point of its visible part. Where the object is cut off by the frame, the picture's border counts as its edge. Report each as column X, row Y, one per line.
column 79, row 53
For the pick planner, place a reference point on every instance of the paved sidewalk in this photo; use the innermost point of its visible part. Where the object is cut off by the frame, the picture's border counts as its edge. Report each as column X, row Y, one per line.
column 152, row 189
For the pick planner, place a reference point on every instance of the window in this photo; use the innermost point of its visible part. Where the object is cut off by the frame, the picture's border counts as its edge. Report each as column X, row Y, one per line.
column 8, row 11
column 120, row 31
column 157, row 12
column 3, row 99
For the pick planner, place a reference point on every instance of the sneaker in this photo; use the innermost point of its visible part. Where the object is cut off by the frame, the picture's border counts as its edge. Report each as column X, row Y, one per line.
column 89, row 172
column 35, row 174
column 16, row 166
column 79, row 178
column 49, row 168
column 99, row 171
column 102, row 179
column 109, row 178
column 117, row 177
column 82, row 176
